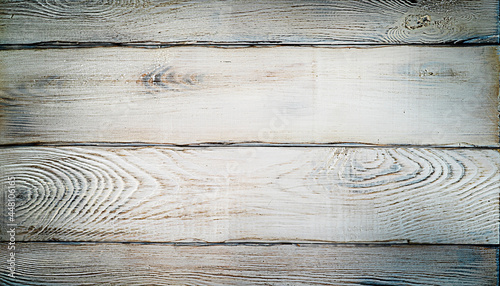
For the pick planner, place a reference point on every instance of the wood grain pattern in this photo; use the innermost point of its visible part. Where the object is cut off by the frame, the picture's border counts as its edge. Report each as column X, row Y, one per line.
column 132, row 264
column 183, row 95
column 263, row 21
column 255, row 194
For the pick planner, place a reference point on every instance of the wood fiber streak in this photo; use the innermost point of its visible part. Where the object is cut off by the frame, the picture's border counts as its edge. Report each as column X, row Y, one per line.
column 124, row 264
column 158, row 194
column 265, row 21
column 183, row 95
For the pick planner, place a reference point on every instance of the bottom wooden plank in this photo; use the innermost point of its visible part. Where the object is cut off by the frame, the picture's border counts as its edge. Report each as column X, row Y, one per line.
column 243, row 264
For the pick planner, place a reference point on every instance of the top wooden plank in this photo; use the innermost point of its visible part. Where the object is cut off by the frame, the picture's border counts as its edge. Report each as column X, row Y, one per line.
column 264, row 21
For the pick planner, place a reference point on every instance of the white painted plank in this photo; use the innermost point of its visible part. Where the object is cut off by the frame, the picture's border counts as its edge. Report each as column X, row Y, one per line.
column 125, row 264
column 183, row 95
column 158, row 194
column 275, row 21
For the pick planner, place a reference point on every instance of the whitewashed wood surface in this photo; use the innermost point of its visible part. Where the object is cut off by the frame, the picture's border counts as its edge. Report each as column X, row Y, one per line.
column 341, row 172
column 405, row 195
column 297, row 264
column 262, row 21
column 188, row 95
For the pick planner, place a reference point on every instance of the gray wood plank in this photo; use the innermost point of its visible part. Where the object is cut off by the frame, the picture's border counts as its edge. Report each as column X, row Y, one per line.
column 416, row 195
column 183, row 95
column 271, row 21
column 134, row 264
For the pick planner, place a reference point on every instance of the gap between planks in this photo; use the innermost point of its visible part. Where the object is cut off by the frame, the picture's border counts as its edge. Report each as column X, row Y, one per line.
column 234, row 45
column 236, row 144
column 261, row 243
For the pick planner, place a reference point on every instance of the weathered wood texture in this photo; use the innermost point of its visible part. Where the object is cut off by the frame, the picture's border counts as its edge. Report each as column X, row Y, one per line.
column 282, row 21
column 255, row 194
column 133, row 264
column 388, row 95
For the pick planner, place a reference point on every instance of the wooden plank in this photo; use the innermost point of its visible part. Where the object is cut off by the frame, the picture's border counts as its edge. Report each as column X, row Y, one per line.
column 98, row 264
column 265, row 194
column 183, row 95
column 282, row 21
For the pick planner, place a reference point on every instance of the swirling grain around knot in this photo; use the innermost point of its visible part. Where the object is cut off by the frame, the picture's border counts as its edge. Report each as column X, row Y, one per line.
column 430, row 21
column 80, row 9
column 408, row 185
column 69, row 191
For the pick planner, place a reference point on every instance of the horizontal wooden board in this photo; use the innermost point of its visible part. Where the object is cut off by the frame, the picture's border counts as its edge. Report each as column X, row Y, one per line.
column 125, row 264
column 282, row 21
column 158, row 194
column 183, row 95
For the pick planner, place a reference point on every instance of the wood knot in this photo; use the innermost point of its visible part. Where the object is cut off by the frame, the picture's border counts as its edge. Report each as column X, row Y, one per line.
column 413, row 22
column 165, row 78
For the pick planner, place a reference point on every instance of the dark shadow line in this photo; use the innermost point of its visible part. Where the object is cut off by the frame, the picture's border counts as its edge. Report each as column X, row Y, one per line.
column 238, row 44
column 268, row 243
column 248, row 144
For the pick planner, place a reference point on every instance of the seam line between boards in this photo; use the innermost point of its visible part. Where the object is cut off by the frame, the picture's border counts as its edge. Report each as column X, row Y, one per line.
column 242, row 44
column 263, row 243
column 241, row 145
